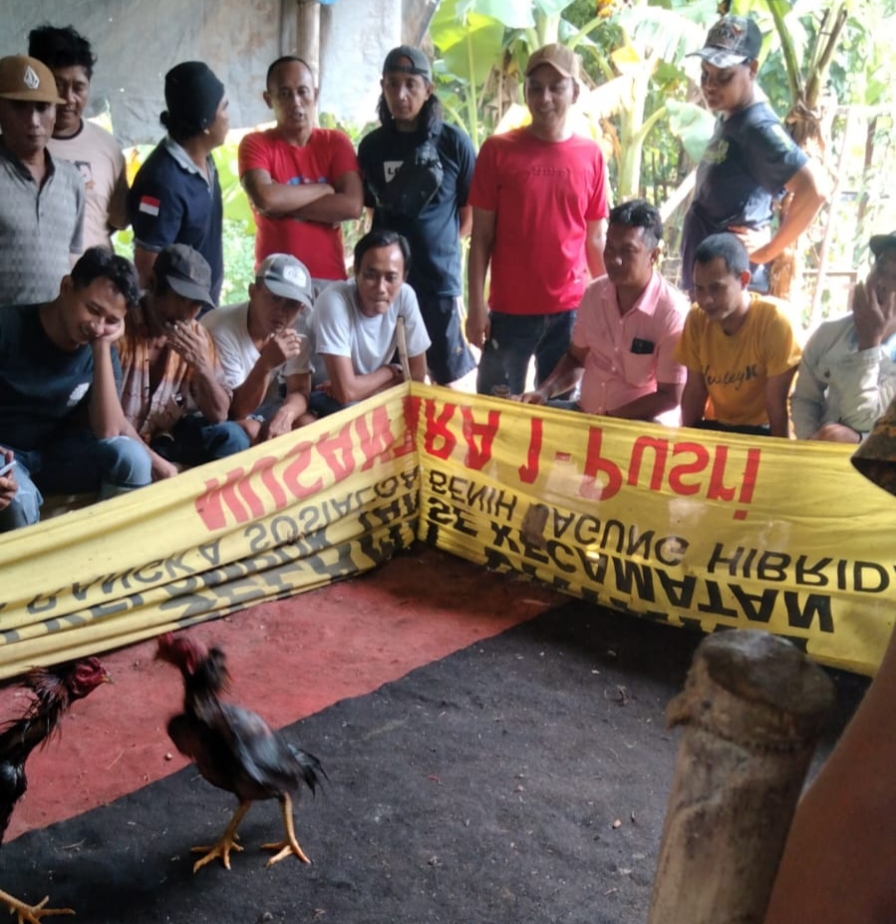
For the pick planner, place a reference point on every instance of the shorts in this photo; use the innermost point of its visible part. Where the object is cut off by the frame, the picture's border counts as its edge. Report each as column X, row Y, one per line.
column 448, row 358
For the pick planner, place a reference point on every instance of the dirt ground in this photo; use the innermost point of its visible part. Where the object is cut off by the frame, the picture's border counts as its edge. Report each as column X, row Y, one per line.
column 521, row 779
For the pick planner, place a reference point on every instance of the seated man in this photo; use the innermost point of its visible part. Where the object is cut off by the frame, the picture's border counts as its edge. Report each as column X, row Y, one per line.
column 261, row 341
column 626, row 329
column 59, row 408
column 847, row 375
column 738, row 347
column 172, row 396
column 356, row 323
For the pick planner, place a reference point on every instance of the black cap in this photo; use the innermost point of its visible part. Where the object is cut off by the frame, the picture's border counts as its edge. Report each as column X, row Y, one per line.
column 192, row 95
column 186, row 271
column 419, row 62
column 881, row 242
column 732, row 40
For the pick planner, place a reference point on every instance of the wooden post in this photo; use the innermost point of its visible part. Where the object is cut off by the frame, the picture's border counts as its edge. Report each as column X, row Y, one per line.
column 308, row 35
column 753, row 708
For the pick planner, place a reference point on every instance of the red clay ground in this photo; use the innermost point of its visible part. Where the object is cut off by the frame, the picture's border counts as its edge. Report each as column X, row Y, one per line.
column 349, row 639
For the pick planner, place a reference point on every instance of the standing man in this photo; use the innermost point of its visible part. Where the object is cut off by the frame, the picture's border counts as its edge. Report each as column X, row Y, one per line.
column 41, row 198
column 626, row 330
column 172, row 393
column 302, row 180
column 750, row 161
column 539, row 218
column 739, row 348
column 176, row 197
column 356, row 325
column 417, row 173
column 262, row 341
column 847, row 375
column 93, row 151
column 60, row 417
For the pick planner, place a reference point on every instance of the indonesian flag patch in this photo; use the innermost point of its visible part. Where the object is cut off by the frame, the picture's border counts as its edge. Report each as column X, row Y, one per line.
column 149, row 205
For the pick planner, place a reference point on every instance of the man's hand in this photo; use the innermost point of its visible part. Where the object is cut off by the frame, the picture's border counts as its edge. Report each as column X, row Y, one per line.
column 281, row 347
column 478, row 329
column 8, row 486
column 754, row 239
column 190, row 342
column 874, row 321
column 115, row 333
column 279, row 424
column 162, row 468
column 534, row 397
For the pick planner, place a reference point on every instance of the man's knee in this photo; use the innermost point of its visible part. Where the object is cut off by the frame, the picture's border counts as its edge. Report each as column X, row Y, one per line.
column 225, row 439
column 24, row 509
column 125, row 462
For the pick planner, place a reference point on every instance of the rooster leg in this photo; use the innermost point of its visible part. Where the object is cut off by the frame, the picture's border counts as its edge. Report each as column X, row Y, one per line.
column 30, row 914
column 290, row 845
column 227, row 842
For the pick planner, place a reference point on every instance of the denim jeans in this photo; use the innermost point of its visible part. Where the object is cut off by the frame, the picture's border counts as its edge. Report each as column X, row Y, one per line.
column 75, row 463
column 194, row 441
column 514, row 340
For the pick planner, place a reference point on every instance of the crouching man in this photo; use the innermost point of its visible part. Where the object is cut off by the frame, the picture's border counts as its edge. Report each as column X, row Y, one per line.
column 59, row 410
column 356, row 325
column 172, row 395
column 262, row 341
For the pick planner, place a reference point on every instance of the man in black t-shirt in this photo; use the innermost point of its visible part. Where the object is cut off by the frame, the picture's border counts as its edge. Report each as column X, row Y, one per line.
column 750, row 161
column 417, row 172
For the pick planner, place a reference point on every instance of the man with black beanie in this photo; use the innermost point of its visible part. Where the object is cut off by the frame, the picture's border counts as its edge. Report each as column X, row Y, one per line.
column 176, row 196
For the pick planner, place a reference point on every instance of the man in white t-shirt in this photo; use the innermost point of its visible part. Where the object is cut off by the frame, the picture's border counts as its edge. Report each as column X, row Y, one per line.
column 262, row 341
column 93, row 151
column 356, row 325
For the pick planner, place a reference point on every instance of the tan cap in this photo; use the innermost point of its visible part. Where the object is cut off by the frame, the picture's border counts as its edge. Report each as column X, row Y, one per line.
column 560, row 58
column 27, row 79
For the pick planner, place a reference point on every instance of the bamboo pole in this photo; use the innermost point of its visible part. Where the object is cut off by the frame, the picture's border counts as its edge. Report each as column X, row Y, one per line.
column 753, row 708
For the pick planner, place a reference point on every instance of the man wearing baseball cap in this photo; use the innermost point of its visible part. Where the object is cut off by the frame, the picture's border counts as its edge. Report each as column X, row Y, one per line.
column 750, row 162
column 263, row 341
column 539, row 219
column 847, row 375
column 176, row 196
column 417, row 172
column 172, row 392
column 41, row 198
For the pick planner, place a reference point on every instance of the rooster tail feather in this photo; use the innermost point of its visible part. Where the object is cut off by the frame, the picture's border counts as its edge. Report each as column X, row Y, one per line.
column 312, row 768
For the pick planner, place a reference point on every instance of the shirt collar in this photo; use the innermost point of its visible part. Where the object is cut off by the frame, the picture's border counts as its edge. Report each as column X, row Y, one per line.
column 183, row 159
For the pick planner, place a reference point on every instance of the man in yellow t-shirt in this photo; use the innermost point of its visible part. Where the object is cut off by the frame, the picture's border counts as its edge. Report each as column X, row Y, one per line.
column 739, row 348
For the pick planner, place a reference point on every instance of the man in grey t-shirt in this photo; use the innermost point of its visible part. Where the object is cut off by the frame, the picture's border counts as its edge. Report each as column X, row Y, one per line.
column 356, row 325
column 41, row 199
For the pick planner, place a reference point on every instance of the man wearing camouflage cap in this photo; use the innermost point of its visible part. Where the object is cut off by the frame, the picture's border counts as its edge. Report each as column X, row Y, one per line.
column 41, row 199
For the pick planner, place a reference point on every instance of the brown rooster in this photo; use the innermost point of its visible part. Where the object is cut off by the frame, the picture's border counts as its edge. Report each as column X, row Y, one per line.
column 233, row 748
column 55, row 689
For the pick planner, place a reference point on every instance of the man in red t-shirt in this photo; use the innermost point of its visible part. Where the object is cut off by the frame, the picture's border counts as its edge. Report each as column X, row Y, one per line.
column 302, row 180
column 539, row 217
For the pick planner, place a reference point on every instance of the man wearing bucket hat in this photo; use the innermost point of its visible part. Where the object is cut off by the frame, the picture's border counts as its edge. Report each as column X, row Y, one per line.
column 176, row 196
column 172, row 391
column 750, row 162
column 539, row 219
column 847, row 375
column 417, row 172
column 262, row 341
column 41, row 198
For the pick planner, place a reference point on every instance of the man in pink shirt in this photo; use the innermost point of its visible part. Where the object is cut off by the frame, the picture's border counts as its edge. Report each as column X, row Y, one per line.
column 626, row 330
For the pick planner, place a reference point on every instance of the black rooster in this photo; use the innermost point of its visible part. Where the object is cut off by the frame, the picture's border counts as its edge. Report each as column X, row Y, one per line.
column 55, row 689
column 233, row 748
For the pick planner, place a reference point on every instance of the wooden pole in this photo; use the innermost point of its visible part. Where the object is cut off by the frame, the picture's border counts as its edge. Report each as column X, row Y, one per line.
column 308, row 35
column 753, row 708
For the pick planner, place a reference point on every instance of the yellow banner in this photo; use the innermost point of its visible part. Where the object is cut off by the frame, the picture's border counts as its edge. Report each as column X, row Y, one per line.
column 323, row 503
column 684, row 527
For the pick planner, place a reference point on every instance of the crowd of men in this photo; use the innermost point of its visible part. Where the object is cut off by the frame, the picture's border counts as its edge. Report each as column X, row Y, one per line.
column 115, row 373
